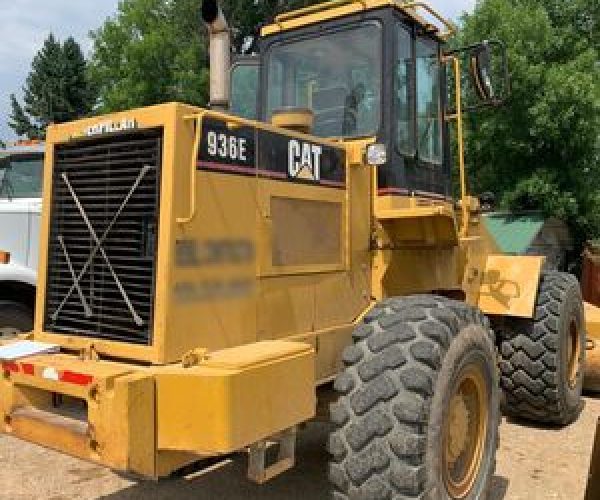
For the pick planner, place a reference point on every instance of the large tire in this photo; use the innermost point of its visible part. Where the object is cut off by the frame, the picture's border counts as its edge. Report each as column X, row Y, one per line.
column 399, row 392
column 14, row 318
column 543, row 358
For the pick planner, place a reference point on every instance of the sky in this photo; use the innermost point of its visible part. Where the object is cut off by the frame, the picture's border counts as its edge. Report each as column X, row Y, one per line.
column 27, row 23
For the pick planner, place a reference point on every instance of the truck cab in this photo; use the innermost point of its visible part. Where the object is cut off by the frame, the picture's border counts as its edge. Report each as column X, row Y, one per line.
column 21, row 168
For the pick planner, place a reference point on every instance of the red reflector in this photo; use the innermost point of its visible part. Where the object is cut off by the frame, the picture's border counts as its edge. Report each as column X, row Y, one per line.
column 27, row 368
column 76, row 378
column 10, row 367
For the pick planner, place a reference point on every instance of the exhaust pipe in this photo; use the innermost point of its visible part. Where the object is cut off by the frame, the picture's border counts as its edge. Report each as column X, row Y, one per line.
column 220, row 53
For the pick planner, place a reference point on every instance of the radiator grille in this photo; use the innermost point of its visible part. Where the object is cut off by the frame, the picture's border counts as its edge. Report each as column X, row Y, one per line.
column 117, row 282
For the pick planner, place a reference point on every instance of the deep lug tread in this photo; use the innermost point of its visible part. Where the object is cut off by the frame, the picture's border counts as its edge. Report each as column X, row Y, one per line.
column 531, row 355
column 381, row 419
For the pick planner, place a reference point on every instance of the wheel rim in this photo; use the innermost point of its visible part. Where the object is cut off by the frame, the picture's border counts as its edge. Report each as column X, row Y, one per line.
column 573, row 353
column 465, row 433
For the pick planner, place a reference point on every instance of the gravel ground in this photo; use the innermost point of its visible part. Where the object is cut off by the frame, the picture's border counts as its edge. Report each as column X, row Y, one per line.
column 533, row 463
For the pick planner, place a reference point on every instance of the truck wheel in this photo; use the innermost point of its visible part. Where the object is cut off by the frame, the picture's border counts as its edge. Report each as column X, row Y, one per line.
column 418, row 411
column 14, row 318
column 543, row 358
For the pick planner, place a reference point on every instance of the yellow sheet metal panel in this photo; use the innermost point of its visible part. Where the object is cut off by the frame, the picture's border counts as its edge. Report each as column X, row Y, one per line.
column 111, row 411
column 235, row 398
column 509, row 285
column 592, row 320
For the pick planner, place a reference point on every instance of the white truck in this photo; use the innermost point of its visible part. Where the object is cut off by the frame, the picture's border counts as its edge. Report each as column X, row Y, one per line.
column 21, row 168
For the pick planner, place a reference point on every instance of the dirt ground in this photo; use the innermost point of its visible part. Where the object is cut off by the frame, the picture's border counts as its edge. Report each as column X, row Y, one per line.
column 533, row 463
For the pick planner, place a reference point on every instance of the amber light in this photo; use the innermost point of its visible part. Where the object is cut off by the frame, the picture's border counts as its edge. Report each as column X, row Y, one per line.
column 4, row 257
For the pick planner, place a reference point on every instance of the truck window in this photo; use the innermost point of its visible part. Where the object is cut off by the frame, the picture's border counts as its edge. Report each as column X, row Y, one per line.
column 429, row 112
column 22, row 178
column 403, row 91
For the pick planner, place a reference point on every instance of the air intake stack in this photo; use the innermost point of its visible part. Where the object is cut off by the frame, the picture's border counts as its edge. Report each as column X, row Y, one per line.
column 220, row 53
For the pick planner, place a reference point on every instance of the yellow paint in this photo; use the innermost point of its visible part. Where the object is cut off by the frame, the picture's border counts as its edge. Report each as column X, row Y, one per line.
column 509, row 285
column 592, row 321
column 342, row 8
column 139, row 416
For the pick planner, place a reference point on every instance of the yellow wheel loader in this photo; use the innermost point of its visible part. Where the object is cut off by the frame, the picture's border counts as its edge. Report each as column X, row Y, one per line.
column 206, row 277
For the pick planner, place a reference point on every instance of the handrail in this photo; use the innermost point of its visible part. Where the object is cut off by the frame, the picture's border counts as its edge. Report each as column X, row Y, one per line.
column 449, row 25
column 197, row 135
column 313, row 9
column 458, row 117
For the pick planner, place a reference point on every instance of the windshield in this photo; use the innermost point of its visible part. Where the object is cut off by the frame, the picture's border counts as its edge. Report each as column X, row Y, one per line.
column 337, row 76
column 21, row 177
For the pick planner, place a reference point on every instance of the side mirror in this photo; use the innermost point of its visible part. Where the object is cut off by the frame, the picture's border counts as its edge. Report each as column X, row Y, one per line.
column 480, row 64
column 4, row 168
column 487, row 83
column 488, row 67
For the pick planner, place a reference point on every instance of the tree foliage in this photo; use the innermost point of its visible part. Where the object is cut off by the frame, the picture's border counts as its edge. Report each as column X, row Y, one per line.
column 152, row 51
column 542, row 150
column 155, row 51
column 57, row 89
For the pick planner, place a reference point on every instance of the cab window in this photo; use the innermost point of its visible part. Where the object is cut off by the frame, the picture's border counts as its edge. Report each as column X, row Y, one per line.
column 21, row 177
column 403, row 92
column 429, row 109
column 337, row 76
column 244, row 90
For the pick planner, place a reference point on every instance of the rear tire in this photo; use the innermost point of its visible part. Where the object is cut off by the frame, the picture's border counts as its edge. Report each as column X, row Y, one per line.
column 543, row 358
column 418, row 364
column 14, row 318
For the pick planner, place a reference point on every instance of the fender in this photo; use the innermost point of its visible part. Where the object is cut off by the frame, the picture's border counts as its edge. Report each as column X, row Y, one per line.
column 19, row 273
column 509, row 285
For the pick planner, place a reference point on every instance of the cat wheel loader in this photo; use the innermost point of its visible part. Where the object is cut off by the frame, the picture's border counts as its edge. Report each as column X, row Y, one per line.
column 206, row 276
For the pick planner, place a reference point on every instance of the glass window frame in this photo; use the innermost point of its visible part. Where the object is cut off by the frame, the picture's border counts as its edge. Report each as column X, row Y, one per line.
column 336, row 27
column 400, row 24
column 247, row 61
column 428, row 40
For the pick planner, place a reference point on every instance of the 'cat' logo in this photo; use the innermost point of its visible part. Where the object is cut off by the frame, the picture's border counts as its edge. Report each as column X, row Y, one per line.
column 304, row 160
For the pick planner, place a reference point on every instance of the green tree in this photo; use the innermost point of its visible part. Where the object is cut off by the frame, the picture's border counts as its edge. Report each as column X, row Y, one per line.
column 57, row 89
column 2, row 144
column 155, row 51
column 542, row 150
column 152, row 51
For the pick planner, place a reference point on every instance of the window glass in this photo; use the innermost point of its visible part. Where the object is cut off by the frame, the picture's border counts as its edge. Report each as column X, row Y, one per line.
column 22, row 178
column 429, row 115
column 403, row 89
column 244, row 90
column 337, row 75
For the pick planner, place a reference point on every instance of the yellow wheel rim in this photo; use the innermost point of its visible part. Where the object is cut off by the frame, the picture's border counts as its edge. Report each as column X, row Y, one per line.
column 465, row 432
column 574, row 348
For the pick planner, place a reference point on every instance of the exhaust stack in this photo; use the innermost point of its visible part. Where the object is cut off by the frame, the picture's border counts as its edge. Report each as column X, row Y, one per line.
column 220, row 53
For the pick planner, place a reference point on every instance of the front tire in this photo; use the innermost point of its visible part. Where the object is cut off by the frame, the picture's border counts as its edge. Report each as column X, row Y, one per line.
column 543, row 358
column 418, row 413
column 14, row 318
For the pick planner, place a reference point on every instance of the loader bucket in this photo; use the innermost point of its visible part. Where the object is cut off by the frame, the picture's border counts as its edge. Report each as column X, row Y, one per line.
column 592, row 356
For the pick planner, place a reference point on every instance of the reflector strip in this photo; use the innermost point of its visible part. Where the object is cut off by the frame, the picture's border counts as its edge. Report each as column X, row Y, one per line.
column 27, row 368
column 10, row 367
column 76, row 378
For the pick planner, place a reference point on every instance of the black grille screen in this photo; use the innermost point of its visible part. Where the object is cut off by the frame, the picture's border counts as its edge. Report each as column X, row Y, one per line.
column 103, row 237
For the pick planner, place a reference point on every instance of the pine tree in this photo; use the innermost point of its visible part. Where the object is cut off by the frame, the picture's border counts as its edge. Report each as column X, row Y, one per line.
column 56, row 90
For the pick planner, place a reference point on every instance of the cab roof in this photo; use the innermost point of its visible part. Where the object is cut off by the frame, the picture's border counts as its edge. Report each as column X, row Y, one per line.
column 420, row 12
